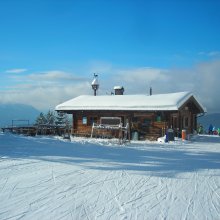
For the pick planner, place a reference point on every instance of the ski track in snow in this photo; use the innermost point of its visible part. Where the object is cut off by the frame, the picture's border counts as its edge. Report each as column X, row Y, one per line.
column 45, row 178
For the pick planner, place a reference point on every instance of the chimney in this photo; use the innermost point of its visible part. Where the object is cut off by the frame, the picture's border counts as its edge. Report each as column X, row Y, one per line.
column 150, row 90
column 119, row 90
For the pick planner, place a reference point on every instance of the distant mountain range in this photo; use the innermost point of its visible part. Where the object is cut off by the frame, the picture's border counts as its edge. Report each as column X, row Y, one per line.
column 9, row 112
column 208, row 119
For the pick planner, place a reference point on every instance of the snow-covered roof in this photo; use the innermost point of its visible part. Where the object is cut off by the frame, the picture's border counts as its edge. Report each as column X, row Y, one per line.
column 118, row 87
column 170, row 101
column 95, row 82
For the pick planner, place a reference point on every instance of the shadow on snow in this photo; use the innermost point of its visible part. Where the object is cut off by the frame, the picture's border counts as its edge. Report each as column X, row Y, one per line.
column 153, row 159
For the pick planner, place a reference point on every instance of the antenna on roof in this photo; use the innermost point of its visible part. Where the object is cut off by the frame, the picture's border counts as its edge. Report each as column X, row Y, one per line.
column 150, row 90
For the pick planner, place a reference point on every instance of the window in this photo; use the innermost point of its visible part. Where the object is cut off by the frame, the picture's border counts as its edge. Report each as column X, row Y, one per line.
column 84, row 120
column 110, row 120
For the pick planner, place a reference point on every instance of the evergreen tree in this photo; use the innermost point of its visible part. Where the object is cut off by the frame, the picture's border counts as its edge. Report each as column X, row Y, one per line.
column 60, row 119
column 41, row 120
column 50, row 118
column 52, row 123
column 62, row 122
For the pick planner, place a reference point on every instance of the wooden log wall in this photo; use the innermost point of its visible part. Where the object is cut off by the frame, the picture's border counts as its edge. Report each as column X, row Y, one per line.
column 149, row 125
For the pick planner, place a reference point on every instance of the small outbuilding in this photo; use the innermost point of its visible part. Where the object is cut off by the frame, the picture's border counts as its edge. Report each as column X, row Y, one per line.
column 142, row 116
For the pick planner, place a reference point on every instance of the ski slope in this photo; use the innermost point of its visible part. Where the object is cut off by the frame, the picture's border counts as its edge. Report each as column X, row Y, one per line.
column 48, row 178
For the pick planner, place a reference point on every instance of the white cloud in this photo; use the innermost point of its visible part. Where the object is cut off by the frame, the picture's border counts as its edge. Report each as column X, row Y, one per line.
column 43, row 97
column 137, row 80
column 202, row 79
column 207, row 84
column 53, row 75
column 16, row 70
column 214, row 53
column 210, row 53
column 142, row 74
column 46, row 90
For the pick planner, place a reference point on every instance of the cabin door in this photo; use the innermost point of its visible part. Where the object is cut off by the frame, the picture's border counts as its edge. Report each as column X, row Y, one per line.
column 174, row 121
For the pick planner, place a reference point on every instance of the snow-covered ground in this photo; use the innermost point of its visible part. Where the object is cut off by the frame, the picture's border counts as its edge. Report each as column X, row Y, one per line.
column 47, row 178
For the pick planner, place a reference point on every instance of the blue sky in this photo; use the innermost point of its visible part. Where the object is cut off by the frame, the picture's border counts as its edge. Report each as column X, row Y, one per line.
column 49, row 49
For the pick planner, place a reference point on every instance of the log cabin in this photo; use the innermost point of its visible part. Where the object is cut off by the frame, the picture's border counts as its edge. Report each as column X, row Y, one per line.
column 146, row 116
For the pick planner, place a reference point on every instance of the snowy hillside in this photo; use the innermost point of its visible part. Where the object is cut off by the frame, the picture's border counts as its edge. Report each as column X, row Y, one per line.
column 47, row 178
